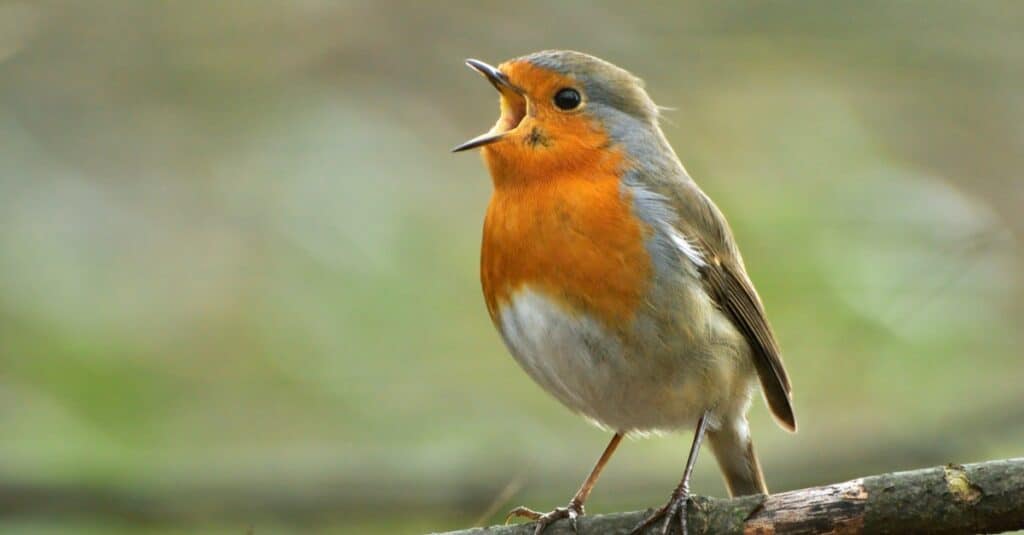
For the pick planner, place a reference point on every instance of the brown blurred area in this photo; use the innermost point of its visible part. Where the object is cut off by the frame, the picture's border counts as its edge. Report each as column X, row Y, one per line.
column 238, row 266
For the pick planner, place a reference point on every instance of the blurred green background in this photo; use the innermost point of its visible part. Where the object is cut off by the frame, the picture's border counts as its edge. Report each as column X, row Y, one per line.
column 238, row 266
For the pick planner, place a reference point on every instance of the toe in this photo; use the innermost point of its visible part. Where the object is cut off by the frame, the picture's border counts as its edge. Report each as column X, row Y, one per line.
column 647, row 522
column 666, row 526
column 572, row 512
column 522, row 512
column 684, row 512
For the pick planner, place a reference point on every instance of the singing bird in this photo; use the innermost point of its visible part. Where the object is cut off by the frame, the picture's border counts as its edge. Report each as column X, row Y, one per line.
column 615, row 282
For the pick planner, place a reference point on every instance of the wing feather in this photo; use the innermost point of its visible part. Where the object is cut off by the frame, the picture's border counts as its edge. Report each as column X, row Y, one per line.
column 726, row 281
column 729, row 286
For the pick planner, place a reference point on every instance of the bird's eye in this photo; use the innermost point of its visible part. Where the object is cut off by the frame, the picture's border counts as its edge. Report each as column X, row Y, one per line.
column 567, row 99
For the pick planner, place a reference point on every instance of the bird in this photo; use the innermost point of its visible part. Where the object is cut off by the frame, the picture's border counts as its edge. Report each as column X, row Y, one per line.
column 614, row 281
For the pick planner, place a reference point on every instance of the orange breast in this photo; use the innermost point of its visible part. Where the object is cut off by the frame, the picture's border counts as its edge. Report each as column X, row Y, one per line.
column 572, row 237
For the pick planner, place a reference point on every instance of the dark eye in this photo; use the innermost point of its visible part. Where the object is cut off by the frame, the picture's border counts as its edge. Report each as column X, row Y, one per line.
column 567, row 99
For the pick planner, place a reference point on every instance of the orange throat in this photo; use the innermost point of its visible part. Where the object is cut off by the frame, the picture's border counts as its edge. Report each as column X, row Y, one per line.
column 569, row 234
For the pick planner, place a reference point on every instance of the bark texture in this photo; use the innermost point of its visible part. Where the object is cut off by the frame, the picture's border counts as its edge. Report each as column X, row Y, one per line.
column 977, row 498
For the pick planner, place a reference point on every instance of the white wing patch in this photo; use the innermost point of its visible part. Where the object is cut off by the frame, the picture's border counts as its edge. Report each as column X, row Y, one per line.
column 687, row 247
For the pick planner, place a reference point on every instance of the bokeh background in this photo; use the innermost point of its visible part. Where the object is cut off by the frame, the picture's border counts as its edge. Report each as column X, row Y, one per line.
column 238, row 266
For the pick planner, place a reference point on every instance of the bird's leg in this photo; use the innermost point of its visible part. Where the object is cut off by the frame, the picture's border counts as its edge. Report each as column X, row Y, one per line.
column 575, row 507
column 677, row 504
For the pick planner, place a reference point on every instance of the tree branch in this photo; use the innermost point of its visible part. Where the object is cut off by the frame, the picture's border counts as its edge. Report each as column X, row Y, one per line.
column 977, row 498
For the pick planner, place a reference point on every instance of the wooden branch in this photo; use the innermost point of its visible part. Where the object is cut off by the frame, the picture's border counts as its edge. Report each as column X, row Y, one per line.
column 977, row 498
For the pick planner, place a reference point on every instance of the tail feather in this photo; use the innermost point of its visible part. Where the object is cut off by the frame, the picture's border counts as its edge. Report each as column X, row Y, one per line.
column 734, row 450
column 778, row 398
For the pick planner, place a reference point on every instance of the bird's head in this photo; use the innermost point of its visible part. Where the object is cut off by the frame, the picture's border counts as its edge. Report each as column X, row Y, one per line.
column 561, row 110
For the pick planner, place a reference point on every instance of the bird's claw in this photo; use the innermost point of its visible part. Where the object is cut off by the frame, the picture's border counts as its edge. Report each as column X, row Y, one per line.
column 675, row 508
column 543, row 520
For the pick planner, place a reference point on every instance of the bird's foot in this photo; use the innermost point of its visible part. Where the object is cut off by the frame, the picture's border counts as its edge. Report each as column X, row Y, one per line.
column 675, row 509
column 573, row 511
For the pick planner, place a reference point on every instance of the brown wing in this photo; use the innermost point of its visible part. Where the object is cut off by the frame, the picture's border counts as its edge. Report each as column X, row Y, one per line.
column 726, row 281
column 729, row 286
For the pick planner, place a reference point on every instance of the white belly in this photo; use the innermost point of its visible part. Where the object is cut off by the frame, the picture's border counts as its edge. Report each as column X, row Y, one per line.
column 620, row 385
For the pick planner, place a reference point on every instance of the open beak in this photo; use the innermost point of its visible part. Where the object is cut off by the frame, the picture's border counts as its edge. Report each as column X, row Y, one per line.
column 493, row 75
column 480, row 141
column 507, row 90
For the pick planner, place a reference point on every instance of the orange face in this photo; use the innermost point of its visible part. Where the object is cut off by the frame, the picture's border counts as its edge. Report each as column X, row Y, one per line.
column 543, row 130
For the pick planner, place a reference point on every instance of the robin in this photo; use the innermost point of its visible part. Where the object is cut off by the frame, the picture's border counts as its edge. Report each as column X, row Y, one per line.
column 614, row 281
